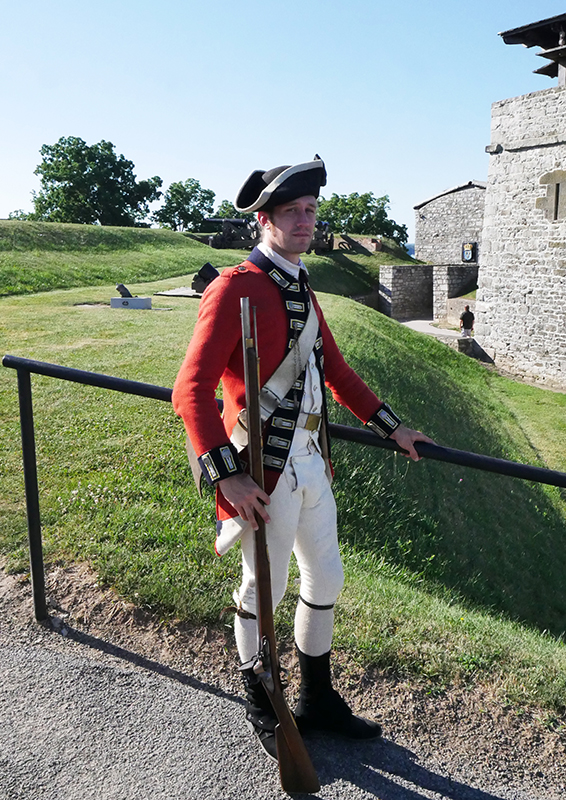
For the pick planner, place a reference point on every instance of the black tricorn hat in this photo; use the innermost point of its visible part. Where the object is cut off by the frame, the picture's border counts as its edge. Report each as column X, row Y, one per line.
column 267, row 189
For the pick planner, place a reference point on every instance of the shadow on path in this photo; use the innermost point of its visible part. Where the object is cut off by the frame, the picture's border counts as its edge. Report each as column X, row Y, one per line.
column 135, row 658
column 380, row 768
column 386, row 770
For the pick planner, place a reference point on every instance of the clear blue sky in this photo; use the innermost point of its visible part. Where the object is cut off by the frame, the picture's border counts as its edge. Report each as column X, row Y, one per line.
column 394, row 96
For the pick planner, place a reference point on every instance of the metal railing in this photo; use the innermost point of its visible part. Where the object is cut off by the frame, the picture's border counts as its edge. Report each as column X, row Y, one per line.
column 26, row 366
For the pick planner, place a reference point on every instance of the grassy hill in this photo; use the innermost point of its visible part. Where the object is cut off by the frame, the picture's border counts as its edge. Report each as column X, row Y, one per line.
column 41, row 256
column 452, row 574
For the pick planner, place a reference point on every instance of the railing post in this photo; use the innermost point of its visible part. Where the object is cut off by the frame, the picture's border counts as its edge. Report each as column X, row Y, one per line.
column 32, row 495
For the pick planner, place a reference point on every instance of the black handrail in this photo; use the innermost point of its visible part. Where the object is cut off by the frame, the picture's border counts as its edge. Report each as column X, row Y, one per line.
column 359, row 435
column 25, row 366
column 88, row 378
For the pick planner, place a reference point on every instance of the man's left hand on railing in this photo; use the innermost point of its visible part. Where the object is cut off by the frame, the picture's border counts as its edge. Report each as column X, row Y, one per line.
column 406, row 438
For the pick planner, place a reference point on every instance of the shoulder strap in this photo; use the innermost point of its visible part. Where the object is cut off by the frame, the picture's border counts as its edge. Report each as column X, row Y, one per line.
column 275, row 389
column 277, row 386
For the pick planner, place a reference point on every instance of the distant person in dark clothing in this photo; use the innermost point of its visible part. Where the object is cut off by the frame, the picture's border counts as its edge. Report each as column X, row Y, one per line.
column 467, row 322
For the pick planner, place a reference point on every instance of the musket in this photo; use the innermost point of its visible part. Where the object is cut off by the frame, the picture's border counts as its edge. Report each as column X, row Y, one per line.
column 295, row 767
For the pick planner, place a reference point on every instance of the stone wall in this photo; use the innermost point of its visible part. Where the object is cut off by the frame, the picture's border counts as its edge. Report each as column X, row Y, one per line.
column 420, row 291
column 405, row 291
column 521, row 299
column 444, row 222
column 455, row 307
column 451, row 281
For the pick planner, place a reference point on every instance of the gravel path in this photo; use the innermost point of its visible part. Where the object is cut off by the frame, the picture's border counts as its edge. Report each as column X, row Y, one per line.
column 83, row 719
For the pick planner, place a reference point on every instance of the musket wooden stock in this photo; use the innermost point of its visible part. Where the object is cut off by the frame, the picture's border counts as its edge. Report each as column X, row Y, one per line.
column 295, row 766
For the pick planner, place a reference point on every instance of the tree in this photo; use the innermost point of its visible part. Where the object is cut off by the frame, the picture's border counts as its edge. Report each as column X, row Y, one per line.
column 227, row 210
column 186, row 205
column 90, row 184
column 361, row 213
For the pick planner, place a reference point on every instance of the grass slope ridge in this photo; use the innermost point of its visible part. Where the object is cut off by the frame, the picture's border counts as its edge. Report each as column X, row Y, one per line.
column 452, row 574
column 42, row 256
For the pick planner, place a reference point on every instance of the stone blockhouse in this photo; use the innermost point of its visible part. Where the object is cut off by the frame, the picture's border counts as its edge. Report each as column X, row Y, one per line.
column 444, row 224
column 521, row 298
column 447, row 221
column 448, row 230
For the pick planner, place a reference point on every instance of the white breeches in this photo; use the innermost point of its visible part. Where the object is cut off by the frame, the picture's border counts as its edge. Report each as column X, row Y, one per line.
column 303, row 522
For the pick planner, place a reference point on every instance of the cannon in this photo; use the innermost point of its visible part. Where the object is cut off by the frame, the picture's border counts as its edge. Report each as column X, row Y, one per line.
column 239, row 234
column 348, row 243
column 124, row 291
column 206, row 274
column 322, row 240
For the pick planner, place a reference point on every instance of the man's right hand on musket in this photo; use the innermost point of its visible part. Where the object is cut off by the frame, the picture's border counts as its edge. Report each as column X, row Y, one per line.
column 243, row 493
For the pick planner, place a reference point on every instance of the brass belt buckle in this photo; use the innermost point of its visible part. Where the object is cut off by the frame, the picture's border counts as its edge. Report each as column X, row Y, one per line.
column 313, row 422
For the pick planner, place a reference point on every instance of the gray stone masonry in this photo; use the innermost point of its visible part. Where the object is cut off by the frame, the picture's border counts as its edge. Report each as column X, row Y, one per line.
column 451, row 281
column 405, row 291
column 444, row 222
column 521, row 299
column 414, row 291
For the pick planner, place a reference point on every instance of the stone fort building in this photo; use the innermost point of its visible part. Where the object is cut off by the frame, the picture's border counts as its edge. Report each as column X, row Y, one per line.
column 447, row 221
column 448, row 238
column 448, row 231
column 521, row 298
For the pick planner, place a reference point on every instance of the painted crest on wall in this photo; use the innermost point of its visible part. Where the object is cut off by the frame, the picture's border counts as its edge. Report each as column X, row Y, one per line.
column 469, row 252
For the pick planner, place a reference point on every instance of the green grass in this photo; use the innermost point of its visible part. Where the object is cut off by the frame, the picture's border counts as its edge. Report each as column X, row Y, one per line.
column 453, row 575
column 42, row 256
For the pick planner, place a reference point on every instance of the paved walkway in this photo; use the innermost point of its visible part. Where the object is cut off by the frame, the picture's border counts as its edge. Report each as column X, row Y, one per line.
column 84, row 719
column 427, row 326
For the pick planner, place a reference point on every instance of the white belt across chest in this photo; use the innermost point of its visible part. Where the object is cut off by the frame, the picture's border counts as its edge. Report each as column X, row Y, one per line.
column 274, row 390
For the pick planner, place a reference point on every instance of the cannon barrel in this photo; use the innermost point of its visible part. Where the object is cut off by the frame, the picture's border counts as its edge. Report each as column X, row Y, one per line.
column 238, row 222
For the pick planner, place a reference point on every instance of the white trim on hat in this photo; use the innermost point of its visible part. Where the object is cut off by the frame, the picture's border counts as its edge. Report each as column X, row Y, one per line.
column 276, row 182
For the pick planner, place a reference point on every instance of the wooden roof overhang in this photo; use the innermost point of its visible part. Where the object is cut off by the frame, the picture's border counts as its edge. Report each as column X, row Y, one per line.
column 550, row 35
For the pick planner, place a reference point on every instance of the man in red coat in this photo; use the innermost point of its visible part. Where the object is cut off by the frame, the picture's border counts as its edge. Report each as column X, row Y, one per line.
column 298, row 356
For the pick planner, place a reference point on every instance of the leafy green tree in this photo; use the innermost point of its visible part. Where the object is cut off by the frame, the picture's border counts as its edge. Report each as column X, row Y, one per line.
column 19, row 213
column 186, row 205
column 361, row 213
column 227, row 210
column 90, row 184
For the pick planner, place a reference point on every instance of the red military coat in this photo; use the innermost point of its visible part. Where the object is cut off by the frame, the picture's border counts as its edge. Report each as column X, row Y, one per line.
column 215, row 355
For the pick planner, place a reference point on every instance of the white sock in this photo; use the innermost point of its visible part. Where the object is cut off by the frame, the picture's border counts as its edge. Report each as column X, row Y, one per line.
column 245, row 631
column 313, row 629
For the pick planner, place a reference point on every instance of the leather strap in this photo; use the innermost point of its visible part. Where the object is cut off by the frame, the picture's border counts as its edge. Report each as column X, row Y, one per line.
column 315, row 607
